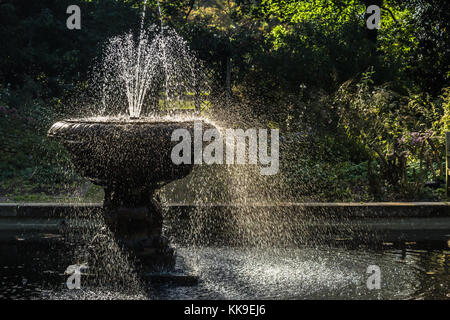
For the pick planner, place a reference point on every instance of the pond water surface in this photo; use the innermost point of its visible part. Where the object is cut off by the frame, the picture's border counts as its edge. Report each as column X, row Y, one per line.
column 36, row 271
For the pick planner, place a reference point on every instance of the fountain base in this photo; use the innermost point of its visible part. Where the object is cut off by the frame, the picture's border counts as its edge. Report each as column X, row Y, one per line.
column 135, row 219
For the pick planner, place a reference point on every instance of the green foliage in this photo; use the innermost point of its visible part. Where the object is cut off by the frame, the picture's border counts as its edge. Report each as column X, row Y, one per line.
column 445, row 122
column 402, row 133
column 26, row 154
column 371, row 107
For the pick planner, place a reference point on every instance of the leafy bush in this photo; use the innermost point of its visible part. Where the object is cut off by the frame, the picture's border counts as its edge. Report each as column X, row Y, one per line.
column 401, row 133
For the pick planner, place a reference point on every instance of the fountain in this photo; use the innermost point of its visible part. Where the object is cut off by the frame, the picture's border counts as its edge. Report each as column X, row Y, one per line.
column 130, row 156
column 241, row 231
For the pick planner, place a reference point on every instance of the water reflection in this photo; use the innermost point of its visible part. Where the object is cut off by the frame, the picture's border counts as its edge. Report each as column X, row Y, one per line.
column 35, row 271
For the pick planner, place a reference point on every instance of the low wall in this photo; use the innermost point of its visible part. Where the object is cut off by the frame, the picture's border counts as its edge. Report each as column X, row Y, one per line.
column 361, row 222
column 330, row 210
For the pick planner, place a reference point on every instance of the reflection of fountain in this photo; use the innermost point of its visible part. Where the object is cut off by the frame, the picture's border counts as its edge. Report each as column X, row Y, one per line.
column 131, row 156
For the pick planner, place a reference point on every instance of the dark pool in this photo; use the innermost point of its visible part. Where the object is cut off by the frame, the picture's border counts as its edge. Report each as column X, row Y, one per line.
column 34, row 269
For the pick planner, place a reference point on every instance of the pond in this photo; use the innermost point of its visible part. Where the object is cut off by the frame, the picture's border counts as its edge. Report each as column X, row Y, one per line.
column 35, row 270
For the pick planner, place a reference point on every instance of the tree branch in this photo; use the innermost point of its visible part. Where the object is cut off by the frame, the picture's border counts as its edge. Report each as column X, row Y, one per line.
column 191, row 6
column 391, row 13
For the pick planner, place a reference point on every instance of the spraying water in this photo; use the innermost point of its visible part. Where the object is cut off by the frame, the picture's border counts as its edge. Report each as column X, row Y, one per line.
column 164, row 56
column 151, row 73
column 138, row 82
column 154, row 73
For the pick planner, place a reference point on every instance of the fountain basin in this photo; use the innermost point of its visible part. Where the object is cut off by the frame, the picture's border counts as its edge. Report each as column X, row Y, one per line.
column 132, row 152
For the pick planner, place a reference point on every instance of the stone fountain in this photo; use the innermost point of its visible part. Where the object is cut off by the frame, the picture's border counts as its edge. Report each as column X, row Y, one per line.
column 130, row 159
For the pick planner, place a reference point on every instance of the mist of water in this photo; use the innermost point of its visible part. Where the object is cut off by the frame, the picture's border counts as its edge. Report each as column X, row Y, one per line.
column 151, row 73
column 148, row 76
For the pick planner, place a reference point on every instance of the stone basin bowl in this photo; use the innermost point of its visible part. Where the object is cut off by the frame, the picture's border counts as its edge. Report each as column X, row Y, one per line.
column 131, row 153
column 131, row 159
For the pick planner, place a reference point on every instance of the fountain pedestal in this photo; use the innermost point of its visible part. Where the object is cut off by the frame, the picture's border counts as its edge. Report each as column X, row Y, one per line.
column 135, row 218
